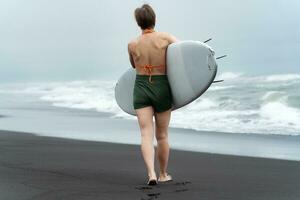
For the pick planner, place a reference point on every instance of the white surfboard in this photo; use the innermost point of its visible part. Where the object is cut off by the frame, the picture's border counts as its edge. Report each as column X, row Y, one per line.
column 191, row 69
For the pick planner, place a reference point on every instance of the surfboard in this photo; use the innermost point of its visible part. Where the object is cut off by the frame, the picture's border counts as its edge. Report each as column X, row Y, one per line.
column 191, row 69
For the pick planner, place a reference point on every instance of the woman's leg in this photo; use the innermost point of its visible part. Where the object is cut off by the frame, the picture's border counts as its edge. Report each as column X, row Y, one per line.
column 161, row 132
column 145, row 120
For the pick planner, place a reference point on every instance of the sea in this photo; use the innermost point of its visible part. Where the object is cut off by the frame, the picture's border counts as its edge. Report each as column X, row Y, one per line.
column 241, row 104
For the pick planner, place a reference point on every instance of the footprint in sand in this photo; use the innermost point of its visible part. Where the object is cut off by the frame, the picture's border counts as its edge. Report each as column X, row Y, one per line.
column 165, row 188
column 182, row 190
column 151, row 196
column 144, row 188
column 182, row 183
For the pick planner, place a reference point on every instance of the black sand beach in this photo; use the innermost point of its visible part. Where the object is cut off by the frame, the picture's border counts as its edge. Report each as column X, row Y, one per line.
column 38, row 167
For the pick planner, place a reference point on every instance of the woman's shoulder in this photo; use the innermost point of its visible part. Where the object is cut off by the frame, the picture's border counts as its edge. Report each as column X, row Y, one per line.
column 168, row 36
column 132, row 43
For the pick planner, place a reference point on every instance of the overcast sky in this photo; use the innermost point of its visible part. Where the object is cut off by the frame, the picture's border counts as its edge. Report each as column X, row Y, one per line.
column 87, row 39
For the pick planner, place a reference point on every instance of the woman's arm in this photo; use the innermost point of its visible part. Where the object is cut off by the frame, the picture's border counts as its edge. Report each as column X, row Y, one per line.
column 172, row 38
column 130, row 57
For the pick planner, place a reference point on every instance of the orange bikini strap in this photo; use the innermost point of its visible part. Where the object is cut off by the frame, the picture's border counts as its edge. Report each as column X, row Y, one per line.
column 149, row 69
column 148, row 31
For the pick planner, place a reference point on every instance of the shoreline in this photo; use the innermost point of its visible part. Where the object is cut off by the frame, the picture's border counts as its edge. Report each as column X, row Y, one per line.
column 46, row 120
column 282, row 147
column 138, row 145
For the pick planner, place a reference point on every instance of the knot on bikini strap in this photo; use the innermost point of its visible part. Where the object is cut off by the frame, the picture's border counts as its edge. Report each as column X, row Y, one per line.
column 149, row 68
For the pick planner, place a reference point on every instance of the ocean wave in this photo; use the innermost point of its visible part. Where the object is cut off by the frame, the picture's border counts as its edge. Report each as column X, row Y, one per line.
column 237, row 107
column 282, row 77
column 214, row 88
column 275, row 109
column 273, row 96
column 229, row 75
column 203, row 104
column 279, row 114
column 96, row 95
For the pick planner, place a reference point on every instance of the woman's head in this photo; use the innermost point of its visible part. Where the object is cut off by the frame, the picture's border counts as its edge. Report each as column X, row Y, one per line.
column 145, row 17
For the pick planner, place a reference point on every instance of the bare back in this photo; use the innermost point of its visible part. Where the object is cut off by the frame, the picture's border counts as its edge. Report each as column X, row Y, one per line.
column 150, row 49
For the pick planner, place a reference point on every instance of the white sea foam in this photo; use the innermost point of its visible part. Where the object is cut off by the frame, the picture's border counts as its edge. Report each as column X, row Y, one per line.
column 282, row 77
column 279, row 114
column 229, row 75
column 273, row 96
column 274, row 110
column 229, row 107
column 214, row 88
column 97, row 95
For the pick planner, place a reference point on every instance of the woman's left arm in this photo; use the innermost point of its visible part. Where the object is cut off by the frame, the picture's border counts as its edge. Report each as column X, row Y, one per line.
column 130, row 57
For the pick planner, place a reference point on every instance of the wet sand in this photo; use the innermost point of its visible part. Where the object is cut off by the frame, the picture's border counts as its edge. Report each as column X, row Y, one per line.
column 40, row 167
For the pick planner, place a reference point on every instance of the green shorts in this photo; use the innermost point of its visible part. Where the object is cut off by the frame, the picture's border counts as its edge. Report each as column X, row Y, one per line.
column 156, row 93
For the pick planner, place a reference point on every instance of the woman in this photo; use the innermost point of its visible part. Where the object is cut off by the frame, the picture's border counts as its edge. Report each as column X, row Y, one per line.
column 152, row 95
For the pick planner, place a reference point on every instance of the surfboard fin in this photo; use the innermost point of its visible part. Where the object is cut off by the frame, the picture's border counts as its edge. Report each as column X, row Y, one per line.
column 207, row 40
column 221, row 57
column 218, row 81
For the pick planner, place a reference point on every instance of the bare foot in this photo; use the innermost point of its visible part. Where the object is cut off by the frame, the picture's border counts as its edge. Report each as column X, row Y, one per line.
column 152, row 175
column 152, row 179
column 165, row 177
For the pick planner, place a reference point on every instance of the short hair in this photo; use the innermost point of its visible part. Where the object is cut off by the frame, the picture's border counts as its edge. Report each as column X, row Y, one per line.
column 145, row 16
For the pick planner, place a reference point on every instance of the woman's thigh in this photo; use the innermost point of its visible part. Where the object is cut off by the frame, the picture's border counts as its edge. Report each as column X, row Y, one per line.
column 145, row 117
